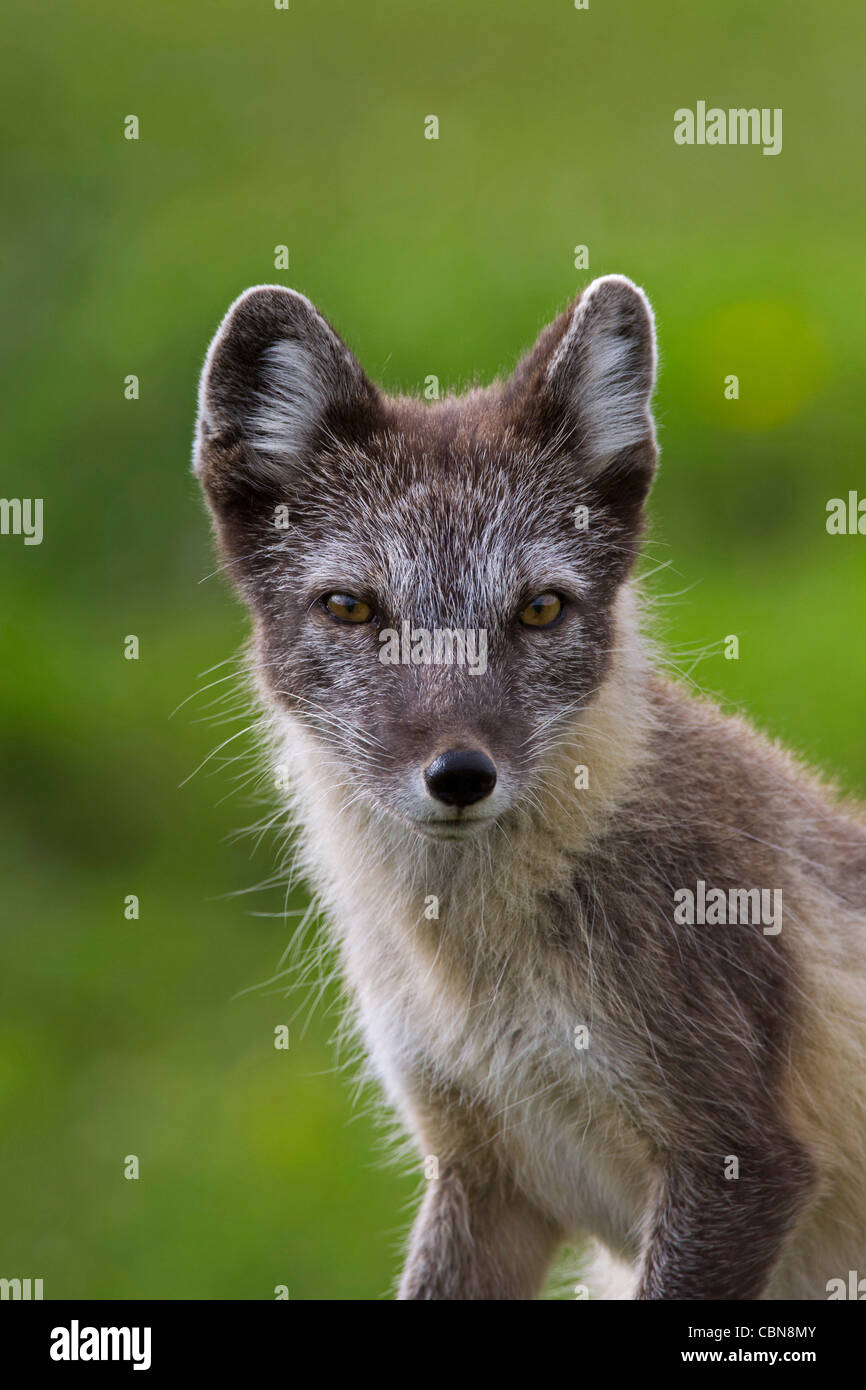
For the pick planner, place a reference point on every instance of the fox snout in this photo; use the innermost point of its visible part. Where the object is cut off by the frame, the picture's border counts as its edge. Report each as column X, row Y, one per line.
column 460, row 777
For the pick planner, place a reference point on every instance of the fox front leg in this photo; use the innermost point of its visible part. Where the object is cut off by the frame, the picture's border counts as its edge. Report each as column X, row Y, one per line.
column 718, row 1236
column 476, row 1237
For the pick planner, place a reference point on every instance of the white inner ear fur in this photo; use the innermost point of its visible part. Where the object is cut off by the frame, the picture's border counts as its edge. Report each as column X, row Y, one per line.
column 291, row 403
column 603, row 376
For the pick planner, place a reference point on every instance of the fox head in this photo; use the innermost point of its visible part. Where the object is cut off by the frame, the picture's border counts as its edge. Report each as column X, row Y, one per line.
column 432, row 585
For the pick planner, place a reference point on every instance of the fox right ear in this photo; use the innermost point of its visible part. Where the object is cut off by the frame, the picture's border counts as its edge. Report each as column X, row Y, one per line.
column 276, row 375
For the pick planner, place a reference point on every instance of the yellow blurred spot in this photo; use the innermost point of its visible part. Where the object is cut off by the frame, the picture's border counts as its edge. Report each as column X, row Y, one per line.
column 774, row 352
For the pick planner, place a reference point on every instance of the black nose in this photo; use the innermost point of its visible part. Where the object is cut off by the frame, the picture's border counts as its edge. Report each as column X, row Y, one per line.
column 460, row 776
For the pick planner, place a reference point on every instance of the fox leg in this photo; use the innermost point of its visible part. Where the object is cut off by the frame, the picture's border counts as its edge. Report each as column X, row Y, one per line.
column 474, row 1239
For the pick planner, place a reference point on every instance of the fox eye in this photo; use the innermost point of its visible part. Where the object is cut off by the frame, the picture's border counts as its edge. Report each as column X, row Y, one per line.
column 543, row 611
column 348, row 608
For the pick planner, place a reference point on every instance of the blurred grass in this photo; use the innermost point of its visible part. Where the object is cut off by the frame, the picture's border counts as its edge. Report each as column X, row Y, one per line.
column 258, row 128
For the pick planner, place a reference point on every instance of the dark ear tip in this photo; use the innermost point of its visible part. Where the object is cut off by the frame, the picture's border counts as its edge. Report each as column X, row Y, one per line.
column 617, row 294
column 262, row 311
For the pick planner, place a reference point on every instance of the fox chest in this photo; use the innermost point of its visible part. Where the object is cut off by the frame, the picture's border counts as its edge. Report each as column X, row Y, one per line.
column 526, row 1055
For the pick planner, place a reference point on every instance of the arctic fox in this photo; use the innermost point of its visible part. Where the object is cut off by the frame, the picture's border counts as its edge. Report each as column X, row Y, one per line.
column 508, row 855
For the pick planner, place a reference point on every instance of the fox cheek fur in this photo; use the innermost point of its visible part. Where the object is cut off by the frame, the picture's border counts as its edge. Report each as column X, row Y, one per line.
column 709, row 1131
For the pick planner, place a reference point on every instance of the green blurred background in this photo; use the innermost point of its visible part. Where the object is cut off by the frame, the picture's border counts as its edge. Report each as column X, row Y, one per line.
column 305, row 128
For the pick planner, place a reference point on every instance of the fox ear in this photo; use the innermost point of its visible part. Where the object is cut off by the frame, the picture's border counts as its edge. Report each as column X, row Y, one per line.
column 603, row 372
column 586, row 387
column 275, row 376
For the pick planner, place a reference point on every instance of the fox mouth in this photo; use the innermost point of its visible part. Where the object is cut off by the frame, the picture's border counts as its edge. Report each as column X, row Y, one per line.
column 462, row 828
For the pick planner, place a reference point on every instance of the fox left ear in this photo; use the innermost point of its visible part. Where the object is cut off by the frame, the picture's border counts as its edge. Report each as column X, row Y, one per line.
column 604, row 370
column 588, row 382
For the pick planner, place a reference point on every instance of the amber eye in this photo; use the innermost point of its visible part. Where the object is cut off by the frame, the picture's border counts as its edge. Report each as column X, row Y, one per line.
column 348, row 608
column 543, row 611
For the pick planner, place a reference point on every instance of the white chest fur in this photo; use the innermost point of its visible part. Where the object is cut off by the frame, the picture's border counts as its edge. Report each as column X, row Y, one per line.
column 518, row 1041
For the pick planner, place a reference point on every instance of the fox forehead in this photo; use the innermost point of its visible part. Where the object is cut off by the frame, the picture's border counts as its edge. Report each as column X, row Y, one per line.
column 408, row 524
